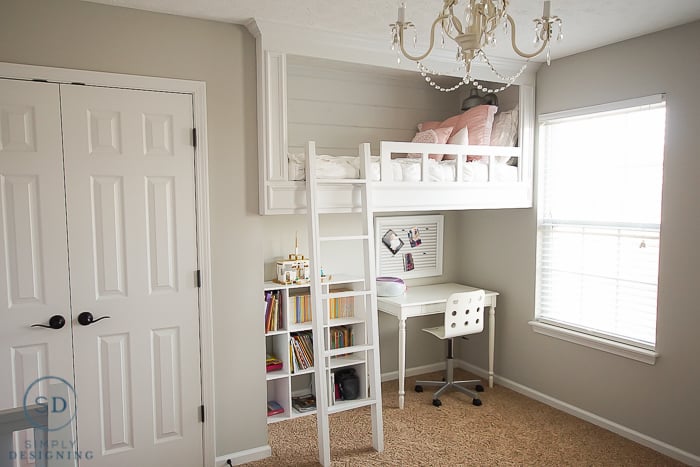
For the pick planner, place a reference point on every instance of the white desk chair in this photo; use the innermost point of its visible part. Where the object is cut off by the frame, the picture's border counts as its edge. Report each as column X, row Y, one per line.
column 464, row 314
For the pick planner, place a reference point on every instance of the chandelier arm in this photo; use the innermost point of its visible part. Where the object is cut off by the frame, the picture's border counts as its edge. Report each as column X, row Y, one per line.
column 515, row 47
column 432, row 40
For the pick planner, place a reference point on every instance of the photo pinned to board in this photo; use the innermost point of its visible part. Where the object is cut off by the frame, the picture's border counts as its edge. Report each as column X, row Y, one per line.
column 408, row 264
column 392, row 241
column 414, row 237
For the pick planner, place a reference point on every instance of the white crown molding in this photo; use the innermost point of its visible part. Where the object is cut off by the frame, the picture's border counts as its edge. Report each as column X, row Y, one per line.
column 303, row 41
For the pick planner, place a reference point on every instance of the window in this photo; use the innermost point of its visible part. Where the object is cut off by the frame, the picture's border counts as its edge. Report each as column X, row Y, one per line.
column 599, row 216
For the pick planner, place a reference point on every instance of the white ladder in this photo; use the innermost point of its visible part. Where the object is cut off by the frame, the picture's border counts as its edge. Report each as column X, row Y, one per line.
column 366, row 297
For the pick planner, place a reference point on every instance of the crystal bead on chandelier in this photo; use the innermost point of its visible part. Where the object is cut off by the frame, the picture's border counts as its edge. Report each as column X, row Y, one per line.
column 475, row 30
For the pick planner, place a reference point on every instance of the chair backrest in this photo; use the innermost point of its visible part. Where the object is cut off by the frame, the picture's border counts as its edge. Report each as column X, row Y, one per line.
column 464, row 313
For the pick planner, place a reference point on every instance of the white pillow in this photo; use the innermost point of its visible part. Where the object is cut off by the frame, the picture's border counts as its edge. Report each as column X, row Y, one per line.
column 505, row 131
column 461, row 137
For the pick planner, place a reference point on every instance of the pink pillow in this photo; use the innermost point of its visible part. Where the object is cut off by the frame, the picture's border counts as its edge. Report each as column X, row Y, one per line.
column 428, row 126
column 438, row 135
column 478, row 121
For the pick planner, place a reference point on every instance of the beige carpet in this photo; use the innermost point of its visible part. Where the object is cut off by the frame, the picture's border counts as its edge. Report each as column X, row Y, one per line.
column 508, row 429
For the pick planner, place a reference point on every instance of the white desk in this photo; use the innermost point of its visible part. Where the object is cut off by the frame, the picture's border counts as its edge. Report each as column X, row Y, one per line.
column 425, row 300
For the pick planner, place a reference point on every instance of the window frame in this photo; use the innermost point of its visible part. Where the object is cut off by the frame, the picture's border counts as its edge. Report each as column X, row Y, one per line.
column 564, row 331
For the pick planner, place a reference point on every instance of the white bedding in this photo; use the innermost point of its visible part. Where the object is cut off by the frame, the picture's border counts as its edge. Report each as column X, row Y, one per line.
column 404, row 169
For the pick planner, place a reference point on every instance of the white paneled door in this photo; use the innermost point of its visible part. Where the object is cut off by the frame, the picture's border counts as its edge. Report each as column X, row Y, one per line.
column 33, row 249
column 129, row 210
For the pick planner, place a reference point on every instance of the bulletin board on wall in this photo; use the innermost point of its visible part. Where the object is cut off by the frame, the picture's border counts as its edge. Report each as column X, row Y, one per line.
column 409, row 246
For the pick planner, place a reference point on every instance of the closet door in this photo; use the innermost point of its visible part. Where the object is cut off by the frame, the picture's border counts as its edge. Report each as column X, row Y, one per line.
column 129, row 168
column 33, row 246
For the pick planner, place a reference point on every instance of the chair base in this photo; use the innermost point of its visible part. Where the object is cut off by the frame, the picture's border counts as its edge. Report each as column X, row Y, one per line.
column 451, row 383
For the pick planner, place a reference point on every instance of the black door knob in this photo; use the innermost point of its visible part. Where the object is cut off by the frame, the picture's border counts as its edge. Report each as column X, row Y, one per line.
column 55, row 322
column 85, row 318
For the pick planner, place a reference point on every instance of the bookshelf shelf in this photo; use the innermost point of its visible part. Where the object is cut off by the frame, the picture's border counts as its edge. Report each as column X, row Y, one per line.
column 341, row 362
column 344, row 314
column 276, row 375
column 297, row 414
column 306, row 371
column 344, row 321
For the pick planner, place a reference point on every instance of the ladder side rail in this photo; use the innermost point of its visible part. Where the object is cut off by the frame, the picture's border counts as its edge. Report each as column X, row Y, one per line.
column 372, row 322
column 317, row 308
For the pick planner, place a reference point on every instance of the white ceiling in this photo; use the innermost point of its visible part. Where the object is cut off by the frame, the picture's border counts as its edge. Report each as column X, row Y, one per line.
column 588, row 24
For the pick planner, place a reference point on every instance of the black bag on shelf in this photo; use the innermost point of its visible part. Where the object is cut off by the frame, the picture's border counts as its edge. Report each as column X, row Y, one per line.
column 349, row 383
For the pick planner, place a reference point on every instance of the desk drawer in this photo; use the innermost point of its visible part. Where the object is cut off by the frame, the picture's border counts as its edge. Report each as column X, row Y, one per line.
column 433, row 308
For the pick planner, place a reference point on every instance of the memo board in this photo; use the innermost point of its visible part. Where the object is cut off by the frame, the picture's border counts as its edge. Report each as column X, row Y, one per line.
column 409, row 246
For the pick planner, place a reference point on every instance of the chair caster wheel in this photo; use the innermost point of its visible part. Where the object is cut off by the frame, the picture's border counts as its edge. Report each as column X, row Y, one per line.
column 437, row 403
column 479, row 388
column 476, row 402
column 418, row 388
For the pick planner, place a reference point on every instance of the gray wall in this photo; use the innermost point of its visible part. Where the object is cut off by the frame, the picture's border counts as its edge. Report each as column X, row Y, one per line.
column 663, row 400
column 74, row 34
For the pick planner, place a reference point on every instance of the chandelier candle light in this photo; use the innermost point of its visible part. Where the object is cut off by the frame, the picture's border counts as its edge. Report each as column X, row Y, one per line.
column 473, row 33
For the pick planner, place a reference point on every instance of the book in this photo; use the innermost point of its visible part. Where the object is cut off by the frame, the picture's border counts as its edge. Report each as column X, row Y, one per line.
column 305, row 403
column 301, row 350
column 273, row 311
column 273, row 408
column 272, row 363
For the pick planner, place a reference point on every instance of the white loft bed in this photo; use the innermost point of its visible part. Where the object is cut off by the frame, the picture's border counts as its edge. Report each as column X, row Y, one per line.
column 399, row 183
column 416, row 185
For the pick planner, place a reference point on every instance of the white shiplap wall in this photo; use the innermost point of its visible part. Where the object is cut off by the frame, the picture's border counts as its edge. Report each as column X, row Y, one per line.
column 341, row 105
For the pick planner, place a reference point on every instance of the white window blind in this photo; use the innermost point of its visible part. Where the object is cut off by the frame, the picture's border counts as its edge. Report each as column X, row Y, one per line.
column 599, row 219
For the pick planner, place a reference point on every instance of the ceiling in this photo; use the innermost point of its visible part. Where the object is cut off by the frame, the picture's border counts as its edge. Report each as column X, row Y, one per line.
column 588, row 24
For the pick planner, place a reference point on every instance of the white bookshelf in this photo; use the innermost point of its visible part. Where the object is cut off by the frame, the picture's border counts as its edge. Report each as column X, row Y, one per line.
column 286, row 383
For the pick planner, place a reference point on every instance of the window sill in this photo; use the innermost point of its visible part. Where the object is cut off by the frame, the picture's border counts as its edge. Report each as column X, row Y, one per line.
column 623, row 350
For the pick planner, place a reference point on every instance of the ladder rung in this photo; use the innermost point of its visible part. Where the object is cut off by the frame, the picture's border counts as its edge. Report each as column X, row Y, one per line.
column 340, row 406
column 341, row 181
column 344, row 237
column 348, row 349
column 346, row 293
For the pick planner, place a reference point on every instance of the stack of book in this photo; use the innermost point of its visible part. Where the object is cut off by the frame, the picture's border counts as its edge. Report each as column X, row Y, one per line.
column 299, row 308
column 305, row 403
column 341, row 336
column 301, row 350
column 272, row 363
column 273, row 311
column 341, row 307
column 273, row 408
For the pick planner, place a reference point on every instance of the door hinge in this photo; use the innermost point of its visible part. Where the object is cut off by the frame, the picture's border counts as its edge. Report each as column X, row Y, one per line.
column 198, row 278
column 194, row 137
column 201, row 413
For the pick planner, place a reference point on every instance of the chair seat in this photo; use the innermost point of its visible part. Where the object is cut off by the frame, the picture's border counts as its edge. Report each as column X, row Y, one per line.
column 437, row 331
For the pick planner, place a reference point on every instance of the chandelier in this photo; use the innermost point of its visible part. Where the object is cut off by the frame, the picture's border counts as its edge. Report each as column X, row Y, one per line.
column 473, row 31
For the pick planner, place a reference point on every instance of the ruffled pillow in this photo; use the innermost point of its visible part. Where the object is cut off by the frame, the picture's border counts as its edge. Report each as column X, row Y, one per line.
column 438, row 135
column 478, row 121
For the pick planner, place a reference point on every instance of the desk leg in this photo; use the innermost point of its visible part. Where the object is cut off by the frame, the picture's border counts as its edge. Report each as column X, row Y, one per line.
column 402, row 360
column 492, row 334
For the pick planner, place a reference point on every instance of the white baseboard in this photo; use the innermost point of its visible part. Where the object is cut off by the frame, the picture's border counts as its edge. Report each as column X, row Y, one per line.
column 637, row 437
column 418, row 370
column 241, row 457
